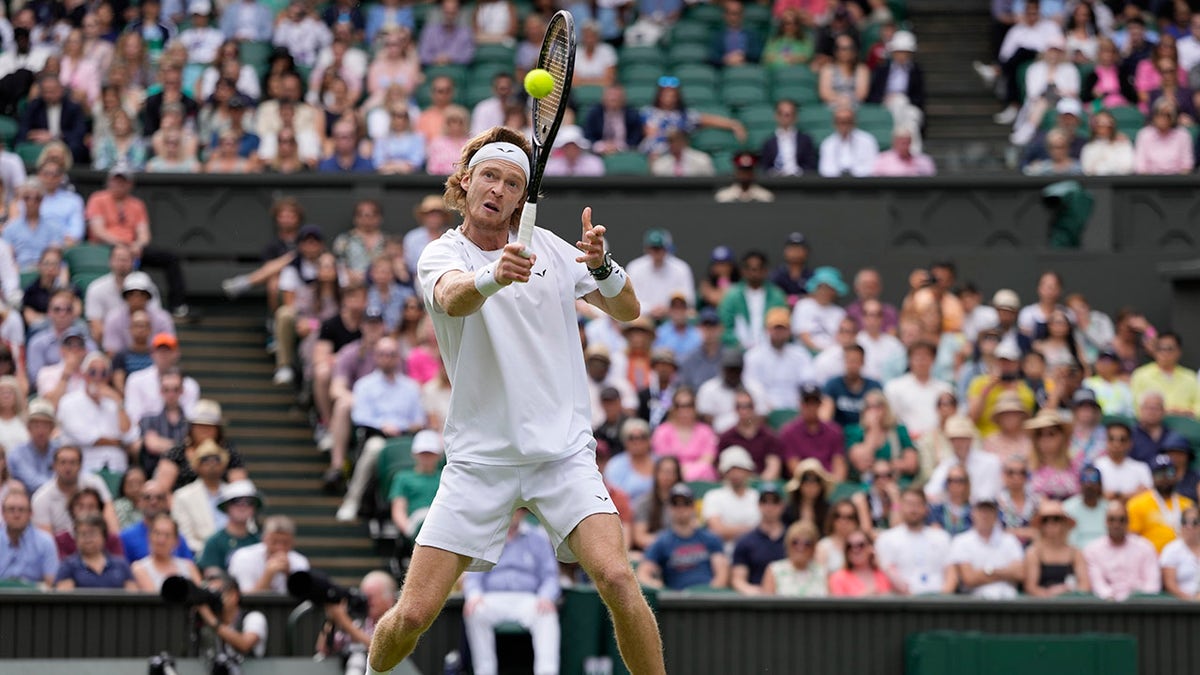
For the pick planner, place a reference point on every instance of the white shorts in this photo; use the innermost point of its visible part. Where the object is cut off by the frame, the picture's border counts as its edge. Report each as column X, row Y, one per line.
column 475, row 502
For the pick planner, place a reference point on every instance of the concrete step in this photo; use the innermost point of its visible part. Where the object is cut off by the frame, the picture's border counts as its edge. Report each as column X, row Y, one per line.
column 198, row 336
column 232, row 396
column 294, row 486
column 243, row 431
column 230, row 352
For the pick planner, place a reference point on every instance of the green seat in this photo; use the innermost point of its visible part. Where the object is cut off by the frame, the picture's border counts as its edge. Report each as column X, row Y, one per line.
column 112, row 480
column 757, row 116
column 649, row 54
column 714, row 140
column 758, row 134
column 28, row 278
column 640, row 95
column 703, row 487
column 482, row 73
column 626, row 164
column 722, row 163
column 510, row 628
column 256, row 55
column 747, row 74
column 86, row 258
column 395, row 457
column 476, row 92
column 1127, row 115
column 868, row 114
column 706, row 13
column 28, row 152
column 793, row 75
column 641, row 73
column 693, row 75
column 495, row 53
column 846, row 491
column 801, row 93
column 454, row 71
column 8, row 130
column 687, row 31
column 587, row 96
column 756, row 13
column 85, row 279
column 700, row 96
column 777, row 418
column 1186, row 427
column 688, row 52
column 739, row 94
column 868, row 38
column 711, row 109
column 814, row 116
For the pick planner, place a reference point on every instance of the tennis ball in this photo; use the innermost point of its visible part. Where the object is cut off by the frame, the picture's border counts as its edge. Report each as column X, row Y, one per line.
column 539, row 83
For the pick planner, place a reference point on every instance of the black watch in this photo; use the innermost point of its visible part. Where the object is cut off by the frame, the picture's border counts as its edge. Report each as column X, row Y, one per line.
column 604, row 270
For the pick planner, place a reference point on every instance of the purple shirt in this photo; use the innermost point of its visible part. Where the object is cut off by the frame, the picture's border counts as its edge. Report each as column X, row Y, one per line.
column 453, row 43
column 761, row 446
column 352, row 364
column 890, row 318
column 890, row 163
column 798, row 443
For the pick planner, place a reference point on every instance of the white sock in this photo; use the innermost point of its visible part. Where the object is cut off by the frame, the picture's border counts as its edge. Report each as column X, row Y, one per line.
column 372, row 671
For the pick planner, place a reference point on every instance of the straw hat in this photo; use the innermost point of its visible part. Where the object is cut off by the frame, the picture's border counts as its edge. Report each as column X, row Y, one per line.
column 209, row 448
column 810, row 465
column 1051, row 507
column 960, row 426
column 1007, row 402
column 1046, row 419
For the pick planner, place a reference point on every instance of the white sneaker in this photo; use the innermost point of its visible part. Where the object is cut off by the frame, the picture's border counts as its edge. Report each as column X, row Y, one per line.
column 325, row 441
column 347, row 513
column 985, row 72
column 284, row 376
column 1006, row 116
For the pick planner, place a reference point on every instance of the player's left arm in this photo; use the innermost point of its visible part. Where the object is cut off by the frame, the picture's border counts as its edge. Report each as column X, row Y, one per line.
column 623, row 306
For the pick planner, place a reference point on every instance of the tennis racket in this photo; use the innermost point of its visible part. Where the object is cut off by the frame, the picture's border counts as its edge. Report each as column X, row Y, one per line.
column 557, row 57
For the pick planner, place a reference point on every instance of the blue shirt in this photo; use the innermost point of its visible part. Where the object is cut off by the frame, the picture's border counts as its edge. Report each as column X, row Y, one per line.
column 379, row 16
column 756, row 550
column 407, row 147
column 393, row 309
column 114, row 575
column 63, row 209
column 136, row 540
column 361, row 165
column 379, row 401
column 848, row 405
column 30, row 466
column 682, row 344
column 527, row 565
column 29, row 242
column 685, row 561
column 42, row 348
column 33, row 559
column 1145, row 449
column 620, row 473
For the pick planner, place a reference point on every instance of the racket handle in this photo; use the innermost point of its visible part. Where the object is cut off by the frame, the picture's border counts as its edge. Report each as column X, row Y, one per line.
column 525, row 232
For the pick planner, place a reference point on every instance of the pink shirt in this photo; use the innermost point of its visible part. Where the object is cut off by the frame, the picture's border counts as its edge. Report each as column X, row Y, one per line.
column 817, row 9
column 1108, row 85
column 442, row 154
column 1157, row 153
column 696, row 457
column 1116, row 572
column 422, row 366
column 846, row 584
column 1146, row 79
column 890, row 163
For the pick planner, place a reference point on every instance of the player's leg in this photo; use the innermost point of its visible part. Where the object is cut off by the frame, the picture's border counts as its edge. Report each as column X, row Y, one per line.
column 431, row 577
column 598, row 543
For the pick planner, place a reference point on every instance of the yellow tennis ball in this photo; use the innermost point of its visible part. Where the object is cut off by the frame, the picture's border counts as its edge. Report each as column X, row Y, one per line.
column 539, row 83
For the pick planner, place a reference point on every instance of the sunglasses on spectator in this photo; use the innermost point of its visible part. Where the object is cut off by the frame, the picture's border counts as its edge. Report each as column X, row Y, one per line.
column 956, row 480
column 637, row 437
column 153, row 497
column 1190, row 522
column 1016, row 472
column 846, row 516
column 58, row 309
column 685, row 404
column 1117, row 519
column 1118, row 439
column 810, row 478
column 241, row 501
column 857, row 545
column 802, row 543
column 93, row 372
column 1054, row 519
column 946, row 403
column 1049, row 431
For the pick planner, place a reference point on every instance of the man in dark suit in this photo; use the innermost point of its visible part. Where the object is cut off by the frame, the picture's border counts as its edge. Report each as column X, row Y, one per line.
column 53, row 116
column 613, row 126
column 789, row 152
column 734, row 44
column 172, row 92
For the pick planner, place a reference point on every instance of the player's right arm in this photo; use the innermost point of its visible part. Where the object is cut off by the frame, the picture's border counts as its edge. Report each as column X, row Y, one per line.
column 459, row 293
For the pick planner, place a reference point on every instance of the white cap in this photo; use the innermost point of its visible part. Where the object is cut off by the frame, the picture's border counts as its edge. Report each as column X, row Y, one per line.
column 1006, row 299
column 735, row 457
column 427, row 440
column 1069, row 106
column 571, row 134
column 200, row 7
column 902, row 41
column 138, row 281
column 1056, row 41
column 1008, row 351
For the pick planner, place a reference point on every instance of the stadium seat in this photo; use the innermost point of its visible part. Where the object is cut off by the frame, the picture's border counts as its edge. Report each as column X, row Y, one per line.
column 85, row 279
column 626, row 164
column 112, row 480
column 748, row 74
column 641, row 73
column 495, row 53
column 453, row 71
column 877, row 121
column 793, row 75
column 28, row 152
column 801, row 93
column 777, row 418
column 814, row 115
column 756, row 14
column 722, row 163
column 686, row 31
column 1129, row 119
column 738, row 94
column 1186, row 427
column 631, row 55
column 586, row 96
column 693, row 75
column 8, row 130
column 715, row 140
column 256, row 55
column 476, row 92
column 705, row 12
column 640, row 95
column 87, row 258
column 713, row 108
column 482, row 73
column 700, row 95
column 757, row 135
column 28, row 277
column 757, row 116
column 395, row 457
column 688, row 53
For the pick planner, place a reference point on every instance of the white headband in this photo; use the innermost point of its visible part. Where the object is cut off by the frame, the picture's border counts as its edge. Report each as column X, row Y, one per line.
column 503, row 151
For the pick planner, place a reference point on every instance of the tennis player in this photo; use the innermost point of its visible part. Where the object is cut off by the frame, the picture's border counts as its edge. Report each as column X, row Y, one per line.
column 518, row 432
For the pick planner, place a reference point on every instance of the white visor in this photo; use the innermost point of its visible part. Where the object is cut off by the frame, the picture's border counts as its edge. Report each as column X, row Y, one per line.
column 503, row 151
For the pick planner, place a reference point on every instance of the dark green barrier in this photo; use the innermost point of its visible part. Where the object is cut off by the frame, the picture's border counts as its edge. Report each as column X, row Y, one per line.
column 951, row 653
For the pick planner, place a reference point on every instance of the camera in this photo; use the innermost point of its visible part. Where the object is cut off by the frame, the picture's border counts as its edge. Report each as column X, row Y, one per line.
column 181, row 591
column 319, row 589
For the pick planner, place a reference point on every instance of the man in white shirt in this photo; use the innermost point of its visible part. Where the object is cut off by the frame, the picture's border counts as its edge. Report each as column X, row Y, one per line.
column 1027, row 38
column 731, row 510
column 660, row 275
column 264, row 567
column 201, row 38
column 143, row 395
column 886, row 357
column 913, row 396
column 1189, row 46
column 489, row 112
column 600, row 373
column 988, row 562
column 779, row 364
column 914, row 554
column 51, row 501
column 983, row 468
column 302, row 33
column 848, row 151
column 1121, row 476
column 789, row 152
column 106, row 293
column 95, row 420
column 831, row 361
column 716, row 399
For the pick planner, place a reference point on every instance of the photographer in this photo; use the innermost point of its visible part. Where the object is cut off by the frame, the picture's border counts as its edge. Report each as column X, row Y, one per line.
column 235, row 633
column 349, row 636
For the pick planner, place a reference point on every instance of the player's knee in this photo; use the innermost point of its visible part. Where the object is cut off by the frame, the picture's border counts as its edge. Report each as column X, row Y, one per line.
column 614, row 578
column 414, row 617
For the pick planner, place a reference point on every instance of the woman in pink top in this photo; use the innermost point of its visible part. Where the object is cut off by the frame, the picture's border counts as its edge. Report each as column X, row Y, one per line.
column 683, row 436
column 396, row 63
column 444, row 149
column 1146, row 77
column 814, row 12
column 861, row 577
column 1105, row 82
column 77, row 72
column 1163, row 147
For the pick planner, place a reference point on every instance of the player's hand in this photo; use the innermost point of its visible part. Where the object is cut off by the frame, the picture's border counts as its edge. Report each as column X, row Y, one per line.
column 592, row 242
column 513, row 265
column 278, row 564
column 544, row 606
column 471, row 605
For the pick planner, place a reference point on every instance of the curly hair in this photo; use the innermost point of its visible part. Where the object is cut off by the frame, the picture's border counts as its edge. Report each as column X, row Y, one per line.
column 455, row 195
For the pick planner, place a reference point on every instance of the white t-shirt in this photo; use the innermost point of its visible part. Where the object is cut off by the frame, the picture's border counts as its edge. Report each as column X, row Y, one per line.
column 983, row 468
column 596, row 65
column 914, row 403
column 248, row 564
column 656, row 285
column 884, row 357
column 731, row 509
column 781, row 372
column 143, row 394
column 520, row 392
column 1179, row 557
column 1128, row 478
column 820, row 322
column 830, row 363
column 917, row 557
column 104, row 294
column 1001, row 549
column 719, row 402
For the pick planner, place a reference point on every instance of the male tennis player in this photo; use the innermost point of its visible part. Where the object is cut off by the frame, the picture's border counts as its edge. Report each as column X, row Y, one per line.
column 518, row 432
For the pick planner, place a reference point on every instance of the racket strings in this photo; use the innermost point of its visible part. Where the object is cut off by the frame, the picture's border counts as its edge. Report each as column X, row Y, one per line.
column 555, row 61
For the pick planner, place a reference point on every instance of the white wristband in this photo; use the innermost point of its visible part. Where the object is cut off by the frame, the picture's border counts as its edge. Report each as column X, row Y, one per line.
column 372, row 671
column 612, row 285
column 485, row 281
